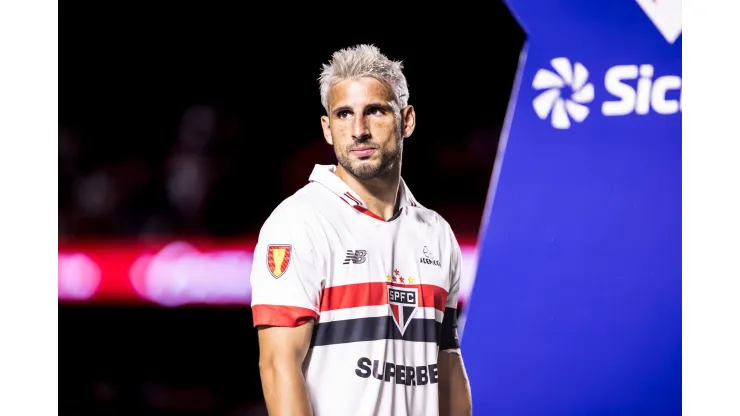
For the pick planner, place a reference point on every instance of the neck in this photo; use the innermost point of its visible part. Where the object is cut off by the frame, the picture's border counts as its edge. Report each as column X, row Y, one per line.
column 380, row 194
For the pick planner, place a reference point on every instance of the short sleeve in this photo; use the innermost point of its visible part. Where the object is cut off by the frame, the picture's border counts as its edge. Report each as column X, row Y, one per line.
column 449, row 338
column 286, row 275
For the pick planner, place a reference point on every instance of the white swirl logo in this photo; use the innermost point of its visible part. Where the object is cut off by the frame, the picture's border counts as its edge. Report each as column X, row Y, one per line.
column 566, row 78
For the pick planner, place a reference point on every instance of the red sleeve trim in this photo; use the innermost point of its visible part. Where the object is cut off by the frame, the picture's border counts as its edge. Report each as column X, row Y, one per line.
column 279, row 315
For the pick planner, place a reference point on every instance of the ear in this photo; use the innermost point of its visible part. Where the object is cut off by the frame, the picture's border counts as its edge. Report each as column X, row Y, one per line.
column 409, row 120
column 327, row 130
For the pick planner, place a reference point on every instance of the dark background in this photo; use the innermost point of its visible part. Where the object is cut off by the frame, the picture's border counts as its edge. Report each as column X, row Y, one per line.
column 197, row 121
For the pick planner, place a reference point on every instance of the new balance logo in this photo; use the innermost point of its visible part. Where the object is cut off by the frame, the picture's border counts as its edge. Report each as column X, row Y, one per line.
column 356, row 256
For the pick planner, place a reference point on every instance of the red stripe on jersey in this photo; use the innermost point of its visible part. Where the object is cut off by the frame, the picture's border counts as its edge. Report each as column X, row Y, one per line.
column 279, row 315
column 362, row 209
column 376, row 293
column 368, row 212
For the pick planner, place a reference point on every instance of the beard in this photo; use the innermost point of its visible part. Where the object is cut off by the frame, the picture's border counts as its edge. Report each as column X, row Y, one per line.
column 386, row 159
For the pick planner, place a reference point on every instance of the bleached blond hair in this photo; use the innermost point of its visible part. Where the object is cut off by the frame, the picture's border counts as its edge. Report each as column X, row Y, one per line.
column 363, row 61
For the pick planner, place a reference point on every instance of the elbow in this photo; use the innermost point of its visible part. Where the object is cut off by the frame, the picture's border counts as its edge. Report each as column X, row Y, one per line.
column 274, row 374
column 273, row 366
column 268, row 364
column 268, row 367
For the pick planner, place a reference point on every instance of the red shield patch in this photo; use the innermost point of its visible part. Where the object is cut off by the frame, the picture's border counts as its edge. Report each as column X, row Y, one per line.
column 278, row 259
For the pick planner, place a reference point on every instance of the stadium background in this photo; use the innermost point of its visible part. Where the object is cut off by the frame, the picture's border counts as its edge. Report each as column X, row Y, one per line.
column 182, row 128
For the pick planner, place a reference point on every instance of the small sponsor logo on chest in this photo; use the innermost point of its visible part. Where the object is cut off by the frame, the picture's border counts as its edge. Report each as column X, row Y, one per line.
column 428, row 258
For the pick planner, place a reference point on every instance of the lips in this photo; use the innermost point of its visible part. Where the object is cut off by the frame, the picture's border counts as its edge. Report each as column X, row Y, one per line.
column 363, row 152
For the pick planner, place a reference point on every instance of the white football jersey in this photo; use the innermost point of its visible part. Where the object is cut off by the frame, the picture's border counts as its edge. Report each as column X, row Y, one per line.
column 383, row 295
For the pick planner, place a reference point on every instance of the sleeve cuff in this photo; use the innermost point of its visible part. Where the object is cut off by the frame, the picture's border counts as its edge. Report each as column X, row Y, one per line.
column 279, row 315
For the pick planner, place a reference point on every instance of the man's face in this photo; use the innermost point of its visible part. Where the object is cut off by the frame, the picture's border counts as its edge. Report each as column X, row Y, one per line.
column 365, row 128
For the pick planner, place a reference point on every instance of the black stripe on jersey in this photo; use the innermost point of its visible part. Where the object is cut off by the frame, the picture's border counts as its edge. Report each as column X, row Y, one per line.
column 353, row 199
column 373, row 329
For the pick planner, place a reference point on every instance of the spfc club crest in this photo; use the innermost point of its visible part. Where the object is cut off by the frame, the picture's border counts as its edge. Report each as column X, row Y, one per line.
column 278, row 259
column 403, row 302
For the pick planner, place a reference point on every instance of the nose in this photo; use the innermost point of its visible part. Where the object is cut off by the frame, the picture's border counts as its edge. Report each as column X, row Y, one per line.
column 360, row 130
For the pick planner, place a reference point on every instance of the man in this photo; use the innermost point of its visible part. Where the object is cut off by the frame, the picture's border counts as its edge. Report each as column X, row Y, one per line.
column 354, row 283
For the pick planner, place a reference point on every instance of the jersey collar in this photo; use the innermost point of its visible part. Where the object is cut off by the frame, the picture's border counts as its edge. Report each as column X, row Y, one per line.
column 324, row 174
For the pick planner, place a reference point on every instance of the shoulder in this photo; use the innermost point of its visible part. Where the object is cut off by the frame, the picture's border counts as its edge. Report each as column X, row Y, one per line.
column 439, row 225
column 432, row 219
column 299, row 211
column 422, row 214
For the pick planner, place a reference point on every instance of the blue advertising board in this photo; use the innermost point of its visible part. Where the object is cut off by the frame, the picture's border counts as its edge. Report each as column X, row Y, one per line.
column 576, row 305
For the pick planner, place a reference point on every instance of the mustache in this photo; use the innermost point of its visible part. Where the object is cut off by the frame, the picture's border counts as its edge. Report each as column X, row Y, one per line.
column 363, row 143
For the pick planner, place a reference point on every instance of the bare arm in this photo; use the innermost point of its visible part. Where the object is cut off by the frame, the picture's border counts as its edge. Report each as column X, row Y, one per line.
column 282, row 352
column 454, row 388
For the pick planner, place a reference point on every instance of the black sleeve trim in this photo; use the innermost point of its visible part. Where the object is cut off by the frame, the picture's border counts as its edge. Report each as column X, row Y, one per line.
column 448, row 338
